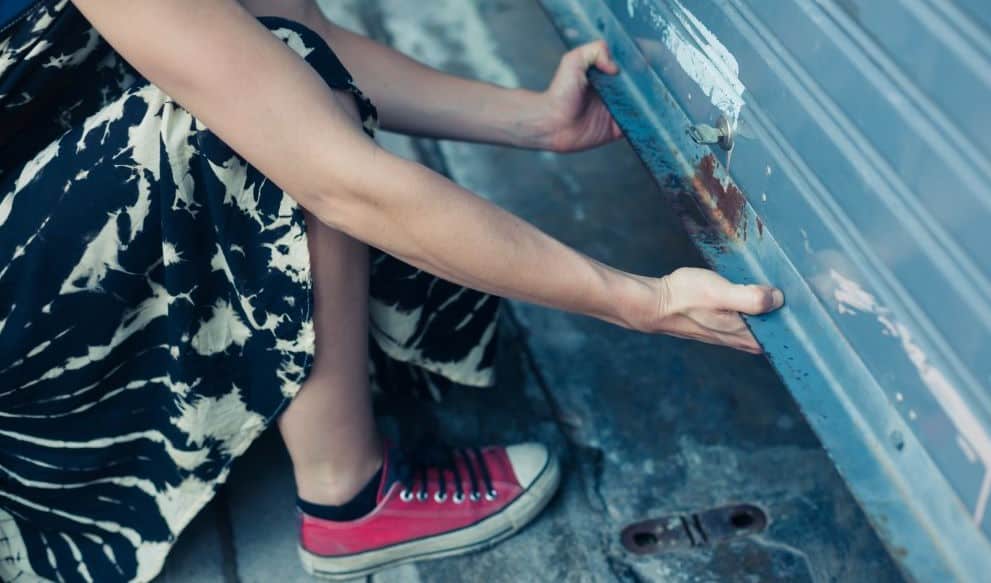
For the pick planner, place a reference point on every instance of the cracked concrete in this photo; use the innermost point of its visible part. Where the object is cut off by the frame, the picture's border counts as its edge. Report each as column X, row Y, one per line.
column 646, row 426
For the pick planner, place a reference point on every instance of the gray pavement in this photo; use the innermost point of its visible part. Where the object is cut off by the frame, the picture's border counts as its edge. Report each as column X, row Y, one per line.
column 646, row 426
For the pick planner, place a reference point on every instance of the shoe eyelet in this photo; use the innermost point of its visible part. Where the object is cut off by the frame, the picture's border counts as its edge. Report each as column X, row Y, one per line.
column 458, row 498
column 423, row 496
column 440, row 496
column 475, row 496
column 405, row 495
column 491, row 495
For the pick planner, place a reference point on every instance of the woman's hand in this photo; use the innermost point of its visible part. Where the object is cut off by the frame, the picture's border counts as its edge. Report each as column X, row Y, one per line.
column 702, row 305
column 572, row 116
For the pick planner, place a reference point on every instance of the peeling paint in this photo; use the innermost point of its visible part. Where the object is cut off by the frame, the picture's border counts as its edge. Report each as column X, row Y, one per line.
column 703, row 58
column 973, row 439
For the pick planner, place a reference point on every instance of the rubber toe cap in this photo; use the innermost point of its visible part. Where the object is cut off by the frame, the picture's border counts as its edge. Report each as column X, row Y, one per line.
column 528, row 460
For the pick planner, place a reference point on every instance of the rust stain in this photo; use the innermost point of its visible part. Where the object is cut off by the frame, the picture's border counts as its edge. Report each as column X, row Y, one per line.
column 725, row 203
column 711, row 211
column 696, row 222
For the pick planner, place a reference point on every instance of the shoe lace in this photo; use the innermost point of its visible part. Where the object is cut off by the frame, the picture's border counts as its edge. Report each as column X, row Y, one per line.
column 442, row 461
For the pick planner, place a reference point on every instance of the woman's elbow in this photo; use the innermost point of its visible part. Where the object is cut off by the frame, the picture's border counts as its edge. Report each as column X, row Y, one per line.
column 346, row 194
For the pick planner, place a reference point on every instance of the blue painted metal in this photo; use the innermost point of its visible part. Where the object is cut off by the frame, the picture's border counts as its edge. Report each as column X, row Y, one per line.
column 859, row 183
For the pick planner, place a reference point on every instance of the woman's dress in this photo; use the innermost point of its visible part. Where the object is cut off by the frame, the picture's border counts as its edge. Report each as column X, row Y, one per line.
column 156, row 303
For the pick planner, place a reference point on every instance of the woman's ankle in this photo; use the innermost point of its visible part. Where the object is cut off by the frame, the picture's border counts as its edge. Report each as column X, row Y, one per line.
column 335, row 484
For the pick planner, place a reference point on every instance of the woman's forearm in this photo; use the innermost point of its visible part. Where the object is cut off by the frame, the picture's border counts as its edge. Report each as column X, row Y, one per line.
column 426, row 220
column 293, row 128
column 415, row 99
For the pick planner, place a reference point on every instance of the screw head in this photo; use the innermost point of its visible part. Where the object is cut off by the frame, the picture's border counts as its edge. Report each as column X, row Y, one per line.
column 897, row 440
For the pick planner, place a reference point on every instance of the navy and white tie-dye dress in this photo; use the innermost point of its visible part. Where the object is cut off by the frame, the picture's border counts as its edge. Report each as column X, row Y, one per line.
column 155, row 305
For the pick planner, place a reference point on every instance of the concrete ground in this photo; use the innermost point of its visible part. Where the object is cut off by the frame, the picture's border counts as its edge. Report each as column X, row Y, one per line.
column 648, row 427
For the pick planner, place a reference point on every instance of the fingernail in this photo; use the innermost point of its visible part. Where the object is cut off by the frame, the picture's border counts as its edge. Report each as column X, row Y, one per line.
column 778, row 297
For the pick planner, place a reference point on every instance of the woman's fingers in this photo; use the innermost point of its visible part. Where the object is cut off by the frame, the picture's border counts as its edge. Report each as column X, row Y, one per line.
column 750, row 299
column 739, row 341
column 727, row 328
column 596, row 54
column 702, row 305
column 692, row 287
column 742, row 340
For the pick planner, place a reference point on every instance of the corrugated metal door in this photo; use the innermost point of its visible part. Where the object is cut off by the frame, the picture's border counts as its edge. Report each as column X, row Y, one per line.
column 859, row 181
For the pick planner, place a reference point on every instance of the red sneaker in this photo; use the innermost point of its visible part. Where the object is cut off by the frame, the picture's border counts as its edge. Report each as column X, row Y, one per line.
column 430, row 506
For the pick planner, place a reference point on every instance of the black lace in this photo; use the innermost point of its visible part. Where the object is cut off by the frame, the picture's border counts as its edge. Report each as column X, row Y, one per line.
column 416, row 466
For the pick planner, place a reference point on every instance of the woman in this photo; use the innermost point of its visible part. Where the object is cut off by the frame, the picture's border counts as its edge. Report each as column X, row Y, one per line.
column 188, row 198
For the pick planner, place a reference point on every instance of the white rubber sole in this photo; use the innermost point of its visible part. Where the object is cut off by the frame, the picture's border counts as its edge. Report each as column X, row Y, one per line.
column 481, row 535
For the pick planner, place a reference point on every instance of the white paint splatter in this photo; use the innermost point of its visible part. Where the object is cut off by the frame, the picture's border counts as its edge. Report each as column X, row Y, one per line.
column 975, row 440
column 703, row 58
column 850, row 297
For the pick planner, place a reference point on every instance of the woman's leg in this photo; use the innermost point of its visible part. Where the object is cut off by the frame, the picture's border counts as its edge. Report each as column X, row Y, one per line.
column 429, row 502
column 329, row 428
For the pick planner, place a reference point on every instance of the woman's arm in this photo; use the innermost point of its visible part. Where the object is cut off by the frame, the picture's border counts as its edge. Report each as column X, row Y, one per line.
column 271, row 107
column 415, row 99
